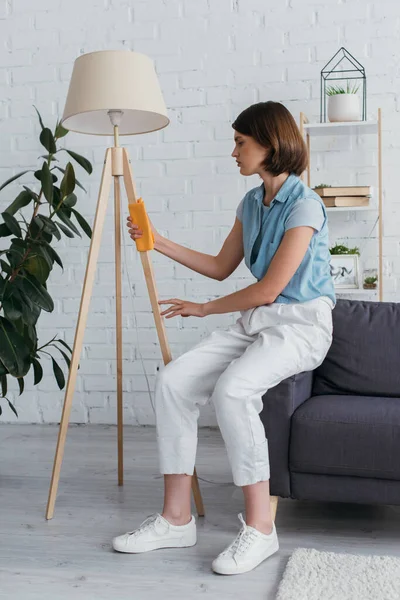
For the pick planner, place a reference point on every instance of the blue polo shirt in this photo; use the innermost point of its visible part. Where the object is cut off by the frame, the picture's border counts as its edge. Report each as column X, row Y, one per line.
column 294, row 205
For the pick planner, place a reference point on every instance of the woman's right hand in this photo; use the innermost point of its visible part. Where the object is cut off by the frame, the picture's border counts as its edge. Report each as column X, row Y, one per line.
column 136, row 233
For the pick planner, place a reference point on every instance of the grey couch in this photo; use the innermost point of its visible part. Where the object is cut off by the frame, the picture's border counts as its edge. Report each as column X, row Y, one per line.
column 334, row 433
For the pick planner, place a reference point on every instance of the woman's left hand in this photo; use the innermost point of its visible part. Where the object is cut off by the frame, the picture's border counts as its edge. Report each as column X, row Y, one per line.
column 183, row 308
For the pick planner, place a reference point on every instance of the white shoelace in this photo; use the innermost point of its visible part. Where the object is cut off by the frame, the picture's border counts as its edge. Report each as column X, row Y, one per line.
column 243, row 540
column 147, row 524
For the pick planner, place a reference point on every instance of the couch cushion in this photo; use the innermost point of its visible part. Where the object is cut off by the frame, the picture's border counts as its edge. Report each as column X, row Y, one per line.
column 365, row 354
column 358, row 436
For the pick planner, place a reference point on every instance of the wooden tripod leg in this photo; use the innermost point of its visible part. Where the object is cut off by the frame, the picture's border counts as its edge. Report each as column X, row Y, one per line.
column 166, row 353
column 274, row 506
column 118, row 307
column 160, row 327
column 80, row 329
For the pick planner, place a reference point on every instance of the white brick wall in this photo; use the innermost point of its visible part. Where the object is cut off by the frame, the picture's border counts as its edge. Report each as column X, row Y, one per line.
column 213, row 58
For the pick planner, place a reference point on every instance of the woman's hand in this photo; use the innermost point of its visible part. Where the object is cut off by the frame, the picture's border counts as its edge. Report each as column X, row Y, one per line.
column 183, row 308
column 136, row 233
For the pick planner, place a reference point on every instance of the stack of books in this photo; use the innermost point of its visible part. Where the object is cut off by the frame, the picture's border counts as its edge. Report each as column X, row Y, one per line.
column 354, row 195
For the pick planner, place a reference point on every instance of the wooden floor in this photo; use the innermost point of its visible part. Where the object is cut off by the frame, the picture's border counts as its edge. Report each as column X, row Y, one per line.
column 71, row 556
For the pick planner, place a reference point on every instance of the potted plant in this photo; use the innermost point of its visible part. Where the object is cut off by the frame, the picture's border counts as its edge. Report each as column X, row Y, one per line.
column 370, row 278
column 370, row 283
column 343, row 103
column 25, row 265
column 341, row 249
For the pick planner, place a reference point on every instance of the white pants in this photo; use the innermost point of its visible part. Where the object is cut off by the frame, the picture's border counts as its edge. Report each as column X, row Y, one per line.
column 234, row 368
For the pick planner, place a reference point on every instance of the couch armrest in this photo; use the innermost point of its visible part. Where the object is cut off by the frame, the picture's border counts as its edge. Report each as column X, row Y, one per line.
column 280, row 403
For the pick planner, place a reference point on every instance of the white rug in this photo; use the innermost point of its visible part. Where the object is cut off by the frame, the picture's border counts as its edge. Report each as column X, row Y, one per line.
column 314, row 575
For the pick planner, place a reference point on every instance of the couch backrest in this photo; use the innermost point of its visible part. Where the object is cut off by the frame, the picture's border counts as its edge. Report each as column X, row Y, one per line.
column 364, row 357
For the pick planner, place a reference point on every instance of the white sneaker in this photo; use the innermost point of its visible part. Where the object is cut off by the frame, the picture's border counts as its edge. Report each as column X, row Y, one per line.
column 156, row 532
column 247, row 551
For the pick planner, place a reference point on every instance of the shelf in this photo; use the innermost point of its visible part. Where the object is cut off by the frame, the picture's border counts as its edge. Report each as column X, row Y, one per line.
column 352, row 208
column 358, row 291
column 349, row 128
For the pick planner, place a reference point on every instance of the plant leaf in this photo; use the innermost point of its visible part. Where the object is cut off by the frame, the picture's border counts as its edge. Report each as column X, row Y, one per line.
column 42, row 251
column 49, row 225
column 82, row 161
column 59, row 375
column 4, row 385
column 47, row 140
column 83, row 223
column 65, row 344
column 30, row 311
column 4, row 231
column 23, row 199
column 40, row 118
column 12, row 308
column 5, row 267
column 38, row 266
column 67, row 359
column 76, row 181
column 60, row 131
column 21, row 384
column 70, row 200
column 67, row 185
column 53, row 254
column 13, row 178
column 16, row 252
column 33, row 194
column 63, row 217
column 67, row 232
column 36, row 291
column 37, row 371
column 13, row 351
column 47, row 183
column 30, row 337
column 12, row 224
column 38, row 175
column 12, row 407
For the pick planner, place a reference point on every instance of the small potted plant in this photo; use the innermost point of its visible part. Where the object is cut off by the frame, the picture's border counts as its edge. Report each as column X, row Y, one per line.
column 370, row 283
column 341, row 249
column 343, row 103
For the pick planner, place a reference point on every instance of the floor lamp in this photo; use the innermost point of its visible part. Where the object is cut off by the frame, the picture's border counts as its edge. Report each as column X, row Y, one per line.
column 113, row 93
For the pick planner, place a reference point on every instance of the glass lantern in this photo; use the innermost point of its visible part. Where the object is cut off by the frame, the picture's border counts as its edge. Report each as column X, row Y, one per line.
column 370, row 279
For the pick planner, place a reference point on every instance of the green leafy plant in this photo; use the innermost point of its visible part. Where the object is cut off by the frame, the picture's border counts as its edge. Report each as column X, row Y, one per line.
column 26, row 264
column 322, row 185
column 370, row 280
column 333, row 90
column 340, row 249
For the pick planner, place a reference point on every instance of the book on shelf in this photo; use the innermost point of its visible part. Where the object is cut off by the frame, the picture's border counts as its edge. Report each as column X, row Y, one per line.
column 349, row 190
column 346, row 201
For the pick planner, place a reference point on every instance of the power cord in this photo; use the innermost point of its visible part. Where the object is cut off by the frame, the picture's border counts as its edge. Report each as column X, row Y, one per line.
column 229, row 483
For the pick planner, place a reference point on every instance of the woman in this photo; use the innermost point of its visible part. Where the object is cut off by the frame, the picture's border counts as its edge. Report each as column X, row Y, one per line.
column 285, row 328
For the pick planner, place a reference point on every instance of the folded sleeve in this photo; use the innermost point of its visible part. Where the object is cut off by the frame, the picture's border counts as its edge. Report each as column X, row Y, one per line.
column 306, row 212
column 239, row 210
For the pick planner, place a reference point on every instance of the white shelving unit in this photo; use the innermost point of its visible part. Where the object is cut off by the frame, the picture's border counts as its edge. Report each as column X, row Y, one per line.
column 348, row 128
column 351, row 128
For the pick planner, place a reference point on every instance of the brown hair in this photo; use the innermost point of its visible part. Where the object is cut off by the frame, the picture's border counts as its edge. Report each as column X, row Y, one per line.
column 272, row 126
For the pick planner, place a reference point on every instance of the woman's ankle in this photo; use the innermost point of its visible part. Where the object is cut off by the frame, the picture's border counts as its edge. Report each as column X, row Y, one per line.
column 177, row 518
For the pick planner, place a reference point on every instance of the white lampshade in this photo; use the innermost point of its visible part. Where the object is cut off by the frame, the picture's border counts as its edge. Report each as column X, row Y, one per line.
column 114, row 80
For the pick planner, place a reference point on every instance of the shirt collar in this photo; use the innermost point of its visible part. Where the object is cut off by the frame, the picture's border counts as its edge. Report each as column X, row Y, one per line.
column 283, row 193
